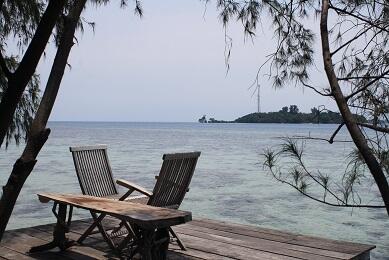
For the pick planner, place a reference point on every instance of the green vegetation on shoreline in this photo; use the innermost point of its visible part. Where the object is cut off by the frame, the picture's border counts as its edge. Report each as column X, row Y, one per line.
column 289, row 115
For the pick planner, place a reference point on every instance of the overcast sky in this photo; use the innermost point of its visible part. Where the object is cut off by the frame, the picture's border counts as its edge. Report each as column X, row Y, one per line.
column 167, row 66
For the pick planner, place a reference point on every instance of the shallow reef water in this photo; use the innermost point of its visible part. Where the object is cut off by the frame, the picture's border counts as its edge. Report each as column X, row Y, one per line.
column 229, row 184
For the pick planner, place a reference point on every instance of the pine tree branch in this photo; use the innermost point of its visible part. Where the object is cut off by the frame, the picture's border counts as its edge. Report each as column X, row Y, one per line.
column 331, row 140
column 317, row 181
column 342, row 203
column 298, row 137
column 317, row 91
column 362, row 77
column 343, row 11
column 350, row 41
column 367, row 85
column 376, row 128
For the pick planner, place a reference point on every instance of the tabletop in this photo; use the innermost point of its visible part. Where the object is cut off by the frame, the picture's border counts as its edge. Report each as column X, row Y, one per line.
column 145, row 216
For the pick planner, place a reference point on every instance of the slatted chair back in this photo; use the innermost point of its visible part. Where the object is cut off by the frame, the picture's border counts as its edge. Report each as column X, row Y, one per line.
column 174, row 179
column 93, row 170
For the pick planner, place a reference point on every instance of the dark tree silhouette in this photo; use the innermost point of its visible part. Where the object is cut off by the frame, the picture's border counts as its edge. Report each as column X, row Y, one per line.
column 37, row 134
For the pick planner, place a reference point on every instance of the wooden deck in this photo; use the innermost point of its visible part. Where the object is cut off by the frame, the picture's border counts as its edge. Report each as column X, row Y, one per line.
column 205, row 239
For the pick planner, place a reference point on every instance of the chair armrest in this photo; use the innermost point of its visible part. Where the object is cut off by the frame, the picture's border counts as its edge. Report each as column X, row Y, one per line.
column 133, row 186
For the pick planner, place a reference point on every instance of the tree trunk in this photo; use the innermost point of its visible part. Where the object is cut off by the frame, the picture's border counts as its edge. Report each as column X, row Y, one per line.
column 18, row 80
column 39, row 134
column 349, row 120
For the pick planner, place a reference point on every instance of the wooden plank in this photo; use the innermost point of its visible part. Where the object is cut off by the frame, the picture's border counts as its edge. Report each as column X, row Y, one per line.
column 6, row 253
column 177, row 256
column 295, row 239
column 229, row 250
column 47, row 235
column 255, row 241
column 196, row 254
column 143, row 215
column 94, row 241
column 252, row 240
column 81, row 225
column 77, row 226
column 192, row 252
column 77, row 252
column 261, row 244
column 34, row 232
column 205, row 239
column 246, row 230
column 16, row 240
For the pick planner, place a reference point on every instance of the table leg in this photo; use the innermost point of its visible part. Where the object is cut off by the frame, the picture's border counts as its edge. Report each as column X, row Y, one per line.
column 146, row 244
column 59, row 237
column 162, row 243
column 154, row 244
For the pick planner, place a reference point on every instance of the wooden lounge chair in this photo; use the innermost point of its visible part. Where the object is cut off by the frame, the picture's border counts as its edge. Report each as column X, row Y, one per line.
column 95, row 177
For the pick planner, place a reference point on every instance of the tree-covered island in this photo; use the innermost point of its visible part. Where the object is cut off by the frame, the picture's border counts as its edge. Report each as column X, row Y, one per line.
column 289, row 115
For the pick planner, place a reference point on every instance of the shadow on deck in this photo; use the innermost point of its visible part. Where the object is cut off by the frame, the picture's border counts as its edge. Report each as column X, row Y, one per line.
column 204, row 238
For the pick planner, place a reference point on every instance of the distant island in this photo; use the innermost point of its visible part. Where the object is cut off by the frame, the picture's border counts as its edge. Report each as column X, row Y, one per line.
column 288, row 115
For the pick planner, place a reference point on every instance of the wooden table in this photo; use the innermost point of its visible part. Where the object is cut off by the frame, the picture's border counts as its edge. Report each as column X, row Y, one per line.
column 149, row 219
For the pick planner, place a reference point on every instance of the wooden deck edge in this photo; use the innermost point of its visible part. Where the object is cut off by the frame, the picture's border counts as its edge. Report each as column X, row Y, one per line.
column 207, row 234
column 250, row 227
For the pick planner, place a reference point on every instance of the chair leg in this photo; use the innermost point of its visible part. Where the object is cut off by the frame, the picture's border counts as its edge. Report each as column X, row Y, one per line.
column 103, row 232
column 179, row 242
column 97, row 223
column 90, row 228
column 125, row 242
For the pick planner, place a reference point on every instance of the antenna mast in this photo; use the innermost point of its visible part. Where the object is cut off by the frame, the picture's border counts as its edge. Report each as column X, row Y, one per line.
column 259, row 97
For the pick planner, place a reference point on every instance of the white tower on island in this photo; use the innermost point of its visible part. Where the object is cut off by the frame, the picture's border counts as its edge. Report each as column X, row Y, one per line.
column 259, row 98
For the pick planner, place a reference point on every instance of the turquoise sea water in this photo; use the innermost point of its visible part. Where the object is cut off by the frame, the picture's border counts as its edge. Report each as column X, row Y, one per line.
column 229, row 183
